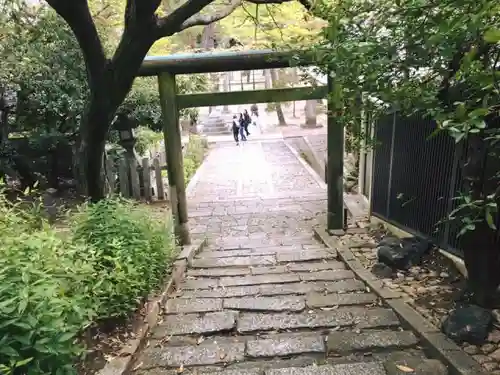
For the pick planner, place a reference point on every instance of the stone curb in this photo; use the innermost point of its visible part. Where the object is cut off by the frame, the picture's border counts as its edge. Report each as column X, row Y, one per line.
column 437, row 344
column 122, row 362
column 321, row 167
column 307, row 167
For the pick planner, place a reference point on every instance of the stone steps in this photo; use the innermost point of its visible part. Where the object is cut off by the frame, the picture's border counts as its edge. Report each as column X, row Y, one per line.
column 275, row 306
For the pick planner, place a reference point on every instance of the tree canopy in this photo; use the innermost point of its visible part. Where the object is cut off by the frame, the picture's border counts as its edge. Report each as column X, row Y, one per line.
column 439, row 58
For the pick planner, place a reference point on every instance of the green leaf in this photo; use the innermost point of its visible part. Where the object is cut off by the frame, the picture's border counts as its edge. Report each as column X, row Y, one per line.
column 479, row 112
column 66, row 337
column 8, row 351
column 492, row 36
column 23, row 362
column 490, row 220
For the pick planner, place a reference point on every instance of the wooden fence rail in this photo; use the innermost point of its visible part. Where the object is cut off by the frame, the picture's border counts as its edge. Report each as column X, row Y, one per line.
column 142, row 181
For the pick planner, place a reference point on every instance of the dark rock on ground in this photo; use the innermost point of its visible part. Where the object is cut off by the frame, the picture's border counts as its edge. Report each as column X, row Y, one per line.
column 402, row 253
column 382, row 270
column 470, row 324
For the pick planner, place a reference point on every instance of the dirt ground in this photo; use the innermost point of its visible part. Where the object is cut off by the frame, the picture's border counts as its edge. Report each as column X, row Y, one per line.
column 433, row 289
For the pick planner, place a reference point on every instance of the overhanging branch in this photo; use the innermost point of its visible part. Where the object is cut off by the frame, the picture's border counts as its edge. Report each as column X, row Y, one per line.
column 188, row 14
column 172, row 23
column 140, row 10
column 77, row 15
column 207, row 19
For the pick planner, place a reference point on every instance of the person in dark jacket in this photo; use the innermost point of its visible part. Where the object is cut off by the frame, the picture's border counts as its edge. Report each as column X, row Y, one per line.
column 242, row 127
column 248, row 120
column 236, row 129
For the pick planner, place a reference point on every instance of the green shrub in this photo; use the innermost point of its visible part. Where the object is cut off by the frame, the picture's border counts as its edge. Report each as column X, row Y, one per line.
column 130, row 253
column 53, row 288
column 145, row 138
column 43, row 306
column 195, row 153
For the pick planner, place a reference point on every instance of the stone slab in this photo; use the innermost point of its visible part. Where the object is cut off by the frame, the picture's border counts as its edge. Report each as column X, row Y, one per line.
column 250, row 322
column 218, row 272
column 342, row 342
column 199, row 371
column 276, row 304
column 305, row 255
column 343, row 286
column 186, row 306
column 236, row 253
column 259, row 279
column 199, row 283
column 237, row 243
column 372, row 368
column 315, row 266
column 262, row 260
column 315, row 300
column 269, row 270
column 278, row 362
column 285, row 346
column 421, row 366
column 233, row 291
column 327, row 275
column 341, row 317
column 250, row 371
column 201, row 355
column 194, row 324
column 375, row 317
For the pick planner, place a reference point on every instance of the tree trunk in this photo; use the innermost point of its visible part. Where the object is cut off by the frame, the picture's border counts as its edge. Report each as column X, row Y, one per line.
column 93, row 129
column 109, row 84
column 208, row 37
column 279, row 110
column 482, row 261
column 267, row 79
column 214, row 78
column 310, row 110
column 295, row 81
column 227, row 79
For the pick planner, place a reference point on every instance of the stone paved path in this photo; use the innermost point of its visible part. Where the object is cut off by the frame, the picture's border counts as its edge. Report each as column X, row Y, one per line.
column 265, row 298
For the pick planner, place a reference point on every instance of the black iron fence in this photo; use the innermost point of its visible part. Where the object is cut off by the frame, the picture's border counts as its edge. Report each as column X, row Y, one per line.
column 416, row 177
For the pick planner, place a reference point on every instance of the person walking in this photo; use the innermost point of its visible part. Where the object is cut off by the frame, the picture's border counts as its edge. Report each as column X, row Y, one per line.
column 255, row 110
column 242, row 128
column 236, row 129
column 248, row 121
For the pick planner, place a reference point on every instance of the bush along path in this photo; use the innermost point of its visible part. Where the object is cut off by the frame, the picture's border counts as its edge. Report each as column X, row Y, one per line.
column 264, row 297
column 58, row 290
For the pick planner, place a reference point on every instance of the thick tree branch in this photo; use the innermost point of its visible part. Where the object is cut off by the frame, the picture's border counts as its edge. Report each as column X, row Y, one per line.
column 188, row 14
column 77, row 15
column 172, row 23
column 207, row 19
column 454, row 65
column 140, row 10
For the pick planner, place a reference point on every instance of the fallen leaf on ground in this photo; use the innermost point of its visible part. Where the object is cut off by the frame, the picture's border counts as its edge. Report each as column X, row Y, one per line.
column 405, row 368
column 137, row 367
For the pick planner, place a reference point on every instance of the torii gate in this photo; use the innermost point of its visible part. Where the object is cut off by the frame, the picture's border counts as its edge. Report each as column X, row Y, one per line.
column 167, row 67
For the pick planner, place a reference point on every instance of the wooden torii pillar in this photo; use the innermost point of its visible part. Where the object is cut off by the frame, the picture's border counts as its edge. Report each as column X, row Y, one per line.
column 175, row 161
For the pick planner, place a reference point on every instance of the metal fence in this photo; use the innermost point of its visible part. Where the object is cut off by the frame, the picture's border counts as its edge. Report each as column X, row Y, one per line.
column 416, row 177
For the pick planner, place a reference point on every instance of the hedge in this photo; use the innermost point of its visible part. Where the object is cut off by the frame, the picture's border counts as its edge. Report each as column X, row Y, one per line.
column 53, row 287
